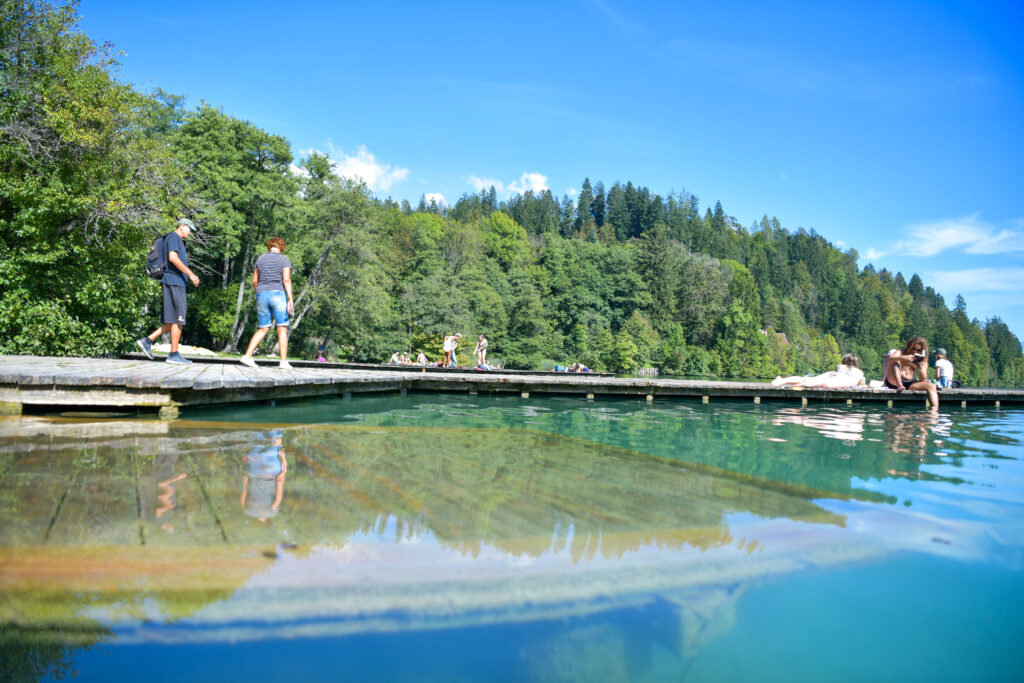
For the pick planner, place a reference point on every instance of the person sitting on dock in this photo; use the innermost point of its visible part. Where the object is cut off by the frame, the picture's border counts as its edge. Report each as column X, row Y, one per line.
column 943, row 369
column 907, row 368
column 421, row 358
column 272, row 280
column 395, row 359
column 846, row 376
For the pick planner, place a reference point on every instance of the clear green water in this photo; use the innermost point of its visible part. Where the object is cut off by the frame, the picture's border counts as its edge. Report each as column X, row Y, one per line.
column 433, row 537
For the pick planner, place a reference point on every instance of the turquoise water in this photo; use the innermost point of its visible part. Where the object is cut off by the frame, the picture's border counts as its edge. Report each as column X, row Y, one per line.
column 437, row 537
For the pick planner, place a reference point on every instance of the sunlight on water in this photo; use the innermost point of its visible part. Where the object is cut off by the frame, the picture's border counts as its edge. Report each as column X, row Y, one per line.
column 549, row 539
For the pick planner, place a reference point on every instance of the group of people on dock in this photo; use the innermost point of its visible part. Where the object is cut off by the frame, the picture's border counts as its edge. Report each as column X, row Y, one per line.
column 903, row 369
column 271, row 278
column 449, row 344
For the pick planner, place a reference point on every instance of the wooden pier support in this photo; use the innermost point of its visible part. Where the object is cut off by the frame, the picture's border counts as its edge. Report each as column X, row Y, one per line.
column 997, row 404
column 650, row 398
column 590, row 397
column 10, row 408
column 803, row 400
column 849, row 401
column 403, row 391
column 705, row 399
column 757, row 399
column 169, row 413
column 963, row 404
column 525, row 394
column 889, row 403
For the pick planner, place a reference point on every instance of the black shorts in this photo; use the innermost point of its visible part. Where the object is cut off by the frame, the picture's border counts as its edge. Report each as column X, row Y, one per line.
column 906, row 383
column 174, row 308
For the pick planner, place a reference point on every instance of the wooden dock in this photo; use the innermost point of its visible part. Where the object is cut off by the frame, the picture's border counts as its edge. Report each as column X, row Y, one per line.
column 132, row 383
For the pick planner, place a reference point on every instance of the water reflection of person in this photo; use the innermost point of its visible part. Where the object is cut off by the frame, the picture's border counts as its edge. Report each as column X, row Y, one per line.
column 263, row 482
column 158, row 493
column 847, row 427
column 910, row 433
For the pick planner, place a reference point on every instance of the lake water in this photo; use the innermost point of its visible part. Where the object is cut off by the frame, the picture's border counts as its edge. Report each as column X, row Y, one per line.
column 465, row 538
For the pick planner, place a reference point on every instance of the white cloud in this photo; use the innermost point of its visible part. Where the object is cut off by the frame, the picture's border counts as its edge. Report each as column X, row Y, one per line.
column 435, row 197
column 572, row 192
column 537, row 182
column 974, row 236
column 873, row 254
column 363, row 165
column 486, row 183
column 979, row 280
column 298, row 171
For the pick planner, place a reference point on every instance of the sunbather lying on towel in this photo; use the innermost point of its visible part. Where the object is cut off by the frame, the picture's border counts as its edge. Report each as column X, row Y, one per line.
column 846, row 376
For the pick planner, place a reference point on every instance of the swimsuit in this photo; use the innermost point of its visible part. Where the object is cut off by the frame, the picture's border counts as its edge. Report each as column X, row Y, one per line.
column 906, row 384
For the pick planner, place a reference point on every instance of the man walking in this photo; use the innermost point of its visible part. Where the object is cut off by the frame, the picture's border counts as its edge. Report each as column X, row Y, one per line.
column 173, row 281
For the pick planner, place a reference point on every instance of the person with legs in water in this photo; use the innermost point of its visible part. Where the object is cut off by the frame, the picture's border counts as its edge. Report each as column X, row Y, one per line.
column 907, row 368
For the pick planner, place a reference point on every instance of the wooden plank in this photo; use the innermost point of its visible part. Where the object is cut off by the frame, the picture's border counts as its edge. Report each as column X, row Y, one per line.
column 258, row 377
column 183, row 379
column 97, row 374
column 234, row 378
column 30, row 494
column 149, row 376
column 44, row 373
column 210, row 378
column 172, row 505
column 100, row 509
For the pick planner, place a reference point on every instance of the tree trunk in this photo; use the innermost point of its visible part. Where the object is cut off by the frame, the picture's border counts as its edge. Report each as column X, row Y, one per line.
column 233, row 344
column 236, row 329
column 311, row 280
column 298, row 318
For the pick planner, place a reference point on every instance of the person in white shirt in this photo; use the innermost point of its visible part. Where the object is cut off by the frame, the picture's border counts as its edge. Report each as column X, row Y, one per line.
column 943, row 369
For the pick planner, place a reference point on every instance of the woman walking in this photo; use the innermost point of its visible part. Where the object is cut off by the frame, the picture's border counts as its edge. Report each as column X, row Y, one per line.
column 272, row 279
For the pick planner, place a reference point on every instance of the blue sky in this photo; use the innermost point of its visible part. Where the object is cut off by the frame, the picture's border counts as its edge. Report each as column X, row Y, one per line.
column 893, row 128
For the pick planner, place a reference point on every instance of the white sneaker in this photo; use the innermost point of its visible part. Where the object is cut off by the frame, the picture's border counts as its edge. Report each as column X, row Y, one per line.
column 285, row 365
column 247, row 361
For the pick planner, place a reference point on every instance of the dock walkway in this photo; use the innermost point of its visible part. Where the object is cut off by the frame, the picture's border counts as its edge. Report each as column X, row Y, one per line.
column 133, row 383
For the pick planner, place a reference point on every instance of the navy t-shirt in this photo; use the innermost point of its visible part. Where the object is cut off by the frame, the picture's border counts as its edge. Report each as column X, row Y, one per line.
column 172, row 275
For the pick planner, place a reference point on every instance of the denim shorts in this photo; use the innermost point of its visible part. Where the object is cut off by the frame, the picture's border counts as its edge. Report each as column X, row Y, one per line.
column 271, row 305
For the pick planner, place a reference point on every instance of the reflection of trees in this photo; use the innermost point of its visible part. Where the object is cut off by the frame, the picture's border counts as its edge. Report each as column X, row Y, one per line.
column 723, row 435
column 524, row 492
column 27, row 656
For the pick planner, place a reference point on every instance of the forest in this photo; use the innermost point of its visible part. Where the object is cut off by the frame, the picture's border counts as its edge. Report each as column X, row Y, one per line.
column 617, row 277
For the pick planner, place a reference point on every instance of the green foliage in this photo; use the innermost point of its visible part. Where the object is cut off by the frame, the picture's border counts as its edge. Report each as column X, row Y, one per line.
column 91, row 171
column 80, row 188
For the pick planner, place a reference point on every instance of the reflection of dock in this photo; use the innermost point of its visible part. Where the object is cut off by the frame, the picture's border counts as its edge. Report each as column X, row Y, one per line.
column 38, row 381
column 387, row 529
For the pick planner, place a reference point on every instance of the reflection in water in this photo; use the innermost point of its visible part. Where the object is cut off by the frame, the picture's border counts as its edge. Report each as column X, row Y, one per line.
column 263, row 481
column 843, row 426
column 183, row 531
column 918, row 435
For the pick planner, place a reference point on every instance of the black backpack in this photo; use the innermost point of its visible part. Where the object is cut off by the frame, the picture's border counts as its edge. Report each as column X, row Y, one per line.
column 156, row 262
